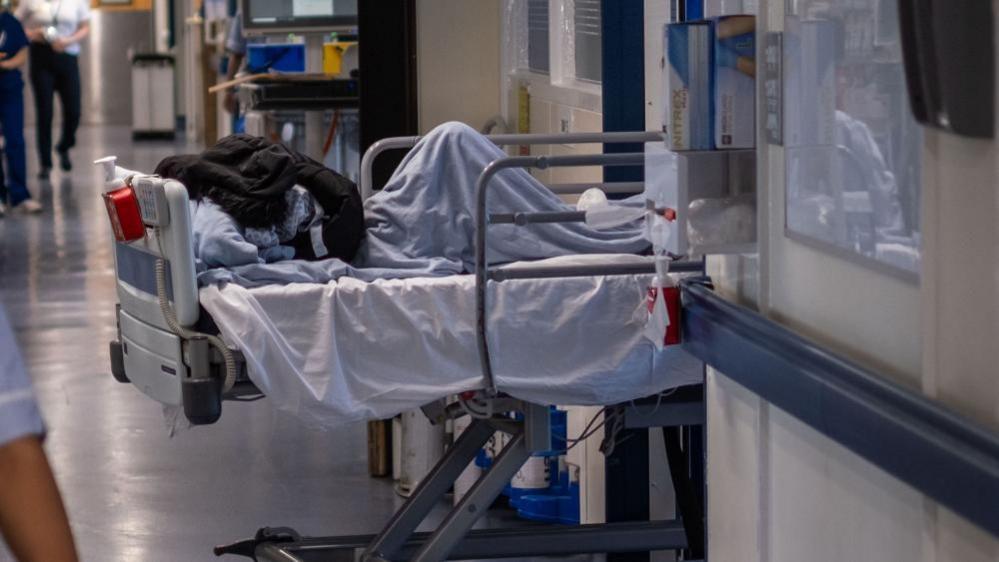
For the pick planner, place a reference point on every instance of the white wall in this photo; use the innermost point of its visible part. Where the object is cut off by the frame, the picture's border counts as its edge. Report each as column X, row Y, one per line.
column 458, row 61
column 555, row 110
column 656, row 16
column 558, row 109
column 961, row 326
column 779, row 491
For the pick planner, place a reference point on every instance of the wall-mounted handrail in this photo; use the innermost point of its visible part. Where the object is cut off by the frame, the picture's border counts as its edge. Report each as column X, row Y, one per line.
column 918, row 441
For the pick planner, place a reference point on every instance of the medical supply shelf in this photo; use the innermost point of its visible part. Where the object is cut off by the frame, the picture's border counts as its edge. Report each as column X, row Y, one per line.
column 918, row 441
column 268, row 94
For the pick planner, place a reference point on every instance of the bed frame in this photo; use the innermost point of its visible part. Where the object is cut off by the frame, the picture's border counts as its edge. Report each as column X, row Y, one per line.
column 187, row 372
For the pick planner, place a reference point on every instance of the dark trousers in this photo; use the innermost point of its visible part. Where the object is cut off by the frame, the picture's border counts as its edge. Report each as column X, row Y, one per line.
column 59, row 73
column 13, row 189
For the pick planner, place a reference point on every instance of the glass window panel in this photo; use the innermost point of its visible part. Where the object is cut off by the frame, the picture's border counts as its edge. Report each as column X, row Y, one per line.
column 537, row 36
column 587, row 36
column 853, row 149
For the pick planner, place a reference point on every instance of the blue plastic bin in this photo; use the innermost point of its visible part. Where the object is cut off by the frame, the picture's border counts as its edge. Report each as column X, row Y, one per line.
column 283, row 57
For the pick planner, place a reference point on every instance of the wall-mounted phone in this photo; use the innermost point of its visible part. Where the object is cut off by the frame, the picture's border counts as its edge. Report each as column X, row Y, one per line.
column 949, row 64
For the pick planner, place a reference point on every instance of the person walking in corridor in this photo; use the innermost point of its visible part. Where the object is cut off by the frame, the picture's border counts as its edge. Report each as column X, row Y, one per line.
column 55, row 28
column 13, row 55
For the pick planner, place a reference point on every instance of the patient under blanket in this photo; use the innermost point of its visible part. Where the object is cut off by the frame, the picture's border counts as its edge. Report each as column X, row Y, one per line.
column 421, row 224
column 395, row 328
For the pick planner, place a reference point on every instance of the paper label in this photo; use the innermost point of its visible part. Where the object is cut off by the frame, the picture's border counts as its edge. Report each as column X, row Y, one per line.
column 533, row 475
column 318, row 246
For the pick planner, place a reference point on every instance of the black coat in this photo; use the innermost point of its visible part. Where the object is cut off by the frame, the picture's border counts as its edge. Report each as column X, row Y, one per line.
column 248, row 177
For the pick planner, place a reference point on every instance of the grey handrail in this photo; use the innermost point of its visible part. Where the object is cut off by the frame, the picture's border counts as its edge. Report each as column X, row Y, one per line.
column 373, row 151
column 587, row 270
column 482, row 223
column 394, row 143
column 941, row 454
column 617, row 187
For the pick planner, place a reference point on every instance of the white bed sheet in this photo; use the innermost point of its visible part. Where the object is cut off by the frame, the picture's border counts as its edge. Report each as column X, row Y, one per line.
column 352, row 350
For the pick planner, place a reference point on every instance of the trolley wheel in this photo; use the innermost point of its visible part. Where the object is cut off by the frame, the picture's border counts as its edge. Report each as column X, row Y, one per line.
column 202, row 400
column 117, row 352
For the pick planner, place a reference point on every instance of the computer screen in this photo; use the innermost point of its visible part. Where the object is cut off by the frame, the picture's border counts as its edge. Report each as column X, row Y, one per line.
column 263, row 15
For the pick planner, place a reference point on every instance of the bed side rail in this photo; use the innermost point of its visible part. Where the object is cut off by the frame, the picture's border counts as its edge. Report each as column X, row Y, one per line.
column 147, row 353
column 169, row 361
column 134, row 261
column 483, row 219
column 396, row 143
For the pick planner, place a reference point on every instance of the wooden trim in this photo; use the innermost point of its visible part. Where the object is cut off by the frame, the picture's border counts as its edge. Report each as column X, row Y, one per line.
column 131, row 6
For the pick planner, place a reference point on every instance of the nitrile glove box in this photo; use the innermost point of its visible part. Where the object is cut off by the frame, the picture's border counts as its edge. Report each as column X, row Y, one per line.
column 734, row 77
column 687, row 111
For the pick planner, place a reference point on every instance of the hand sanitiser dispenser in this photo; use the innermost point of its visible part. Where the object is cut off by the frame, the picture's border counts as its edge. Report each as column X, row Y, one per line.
column 121, row 203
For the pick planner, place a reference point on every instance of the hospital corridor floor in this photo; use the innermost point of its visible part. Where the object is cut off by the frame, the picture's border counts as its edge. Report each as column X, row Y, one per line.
column 134, row 493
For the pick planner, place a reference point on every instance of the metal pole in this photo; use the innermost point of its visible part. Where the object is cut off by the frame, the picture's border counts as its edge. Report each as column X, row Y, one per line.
column 523, row 219
column 368, row 160
column 314, row 119
column 428, row 493
column 691, row 511
column 475, row 503
column 550, row 271
column 622, row 187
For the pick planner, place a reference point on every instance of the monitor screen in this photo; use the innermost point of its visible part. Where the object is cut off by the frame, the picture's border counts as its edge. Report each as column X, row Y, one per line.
column 298, row 14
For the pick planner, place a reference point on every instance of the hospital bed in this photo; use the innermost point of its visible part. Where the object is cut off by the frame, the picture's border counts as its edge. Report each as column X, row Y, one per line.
column 168, row 347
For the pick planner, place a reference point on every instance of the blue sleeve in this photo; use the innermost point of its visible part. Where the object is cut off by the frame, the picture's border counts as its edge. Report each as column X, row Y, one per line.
column 16, row 38
column 19, row 416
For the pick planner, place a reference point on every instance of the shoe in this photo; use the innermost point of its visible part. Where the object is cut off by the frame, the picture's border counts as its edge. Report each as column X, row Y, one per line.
column 64, row 162
column 43, row 173
column 28, row 207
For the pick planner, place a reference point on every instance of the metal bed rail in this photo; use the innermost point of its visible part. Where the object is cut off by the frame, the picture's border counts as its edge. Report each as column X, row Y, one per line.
column 917, row 440
column 483, row 219
column 396, row 143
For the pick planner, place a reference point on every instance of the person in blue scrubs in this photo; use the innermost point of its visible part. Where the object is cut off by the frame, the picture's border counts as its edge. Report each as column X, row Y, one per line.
column 13, row 54
column 32, row 518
